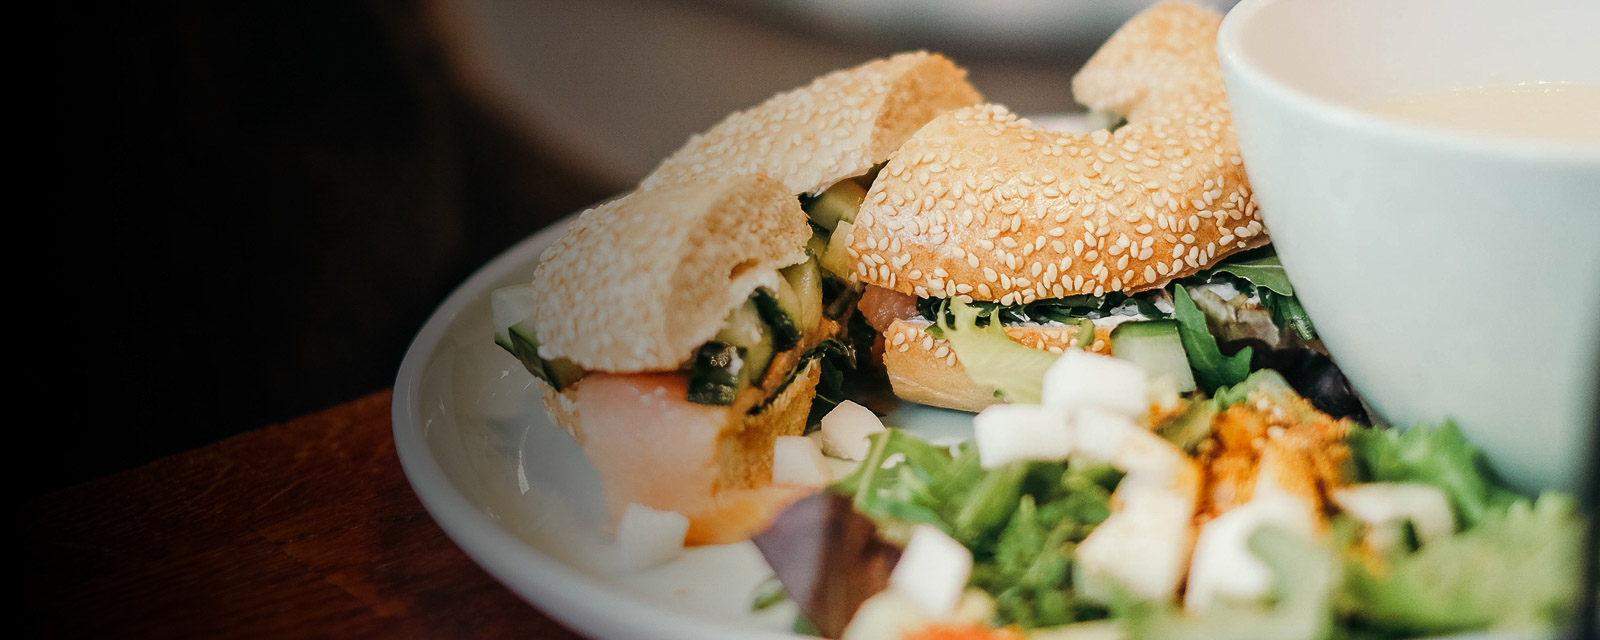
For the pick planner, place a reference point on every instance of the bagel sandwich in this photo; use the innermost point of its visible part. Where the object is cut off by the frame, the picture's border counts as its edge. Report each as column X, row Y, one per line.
column 826, row 141
column 1061, row 238
column 674, row 333
column 678, row 331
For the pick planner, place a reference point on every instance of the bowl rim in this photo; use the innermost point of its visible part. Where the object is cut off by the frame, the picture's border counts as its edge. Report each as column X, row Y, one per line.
column 1234, row 59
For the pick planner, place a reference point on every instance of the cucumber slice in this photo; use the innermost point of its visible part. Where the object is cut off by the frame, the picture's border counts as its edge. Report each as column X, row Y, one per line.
column 1085, row 335
column 512, row 308
column 746, row 329
column 717, row 374
column 805, row 283
column 739, row 354
column 779, row 314
column 817, row 244
column 743, row 327
column 1188, row 429
column 837, row 258
column 1156, row 346
column 838, row 204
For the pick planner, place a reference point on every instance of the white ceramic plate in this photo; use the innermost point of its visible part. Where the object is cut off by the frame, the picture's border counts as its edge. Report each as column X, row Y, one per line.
column 515, row 492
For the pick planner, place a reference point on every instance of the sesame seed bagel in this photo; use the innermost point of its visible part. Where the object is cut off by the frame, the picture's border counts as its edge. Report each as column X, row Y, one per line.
column 638, row 283
column 982, row 204
column 924, row 370
column 839, row 126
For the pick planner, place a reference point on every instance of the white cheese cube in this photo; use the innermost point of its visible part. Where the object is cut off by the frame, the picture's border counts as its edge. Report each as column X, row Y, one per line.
column 1149, row 456
column 893, row 614
column 1162, row 393
column 1098, row 435
column 796, row 460
column 1143, row 548
column 1224, row 568
column 1080, row 379
column 649, row 537
column 1382, row 504
column 1006, row 433
column 845, row 430
column 932, row 571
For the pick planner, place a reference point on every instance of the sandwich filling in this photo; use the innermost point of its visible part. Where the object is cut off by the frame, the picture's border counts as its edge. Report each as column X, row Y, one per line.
column 1239, row 316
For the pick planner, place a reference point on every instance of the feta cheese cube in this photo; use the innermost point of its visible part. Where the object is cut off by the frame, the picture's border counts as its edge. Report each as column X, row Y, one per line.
column 933, row 570
column 1080, row 379
column 893, row 614
column 1381, row 504
column 1149, row 456
column 648, row 537
column 796, row 460
column 1224, row 568
column 1005, row 433
column 1098, row 435
column 1143, row 548
column 1162, row 393
column 845, row 430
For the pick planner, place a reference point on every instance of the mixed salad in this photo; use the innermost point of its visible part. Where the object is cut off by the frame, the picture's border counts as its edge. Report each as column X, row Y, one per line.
column 1416, row 540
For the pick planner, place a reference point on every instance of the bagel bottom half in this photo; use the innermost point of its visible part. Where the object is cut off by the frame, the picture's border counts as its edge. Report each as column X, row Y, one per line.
column 925, row 370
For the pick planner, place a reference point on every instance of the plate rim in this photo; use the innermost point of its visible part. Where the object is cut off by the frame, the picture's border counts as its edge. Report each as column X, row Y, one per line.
column 580, row 601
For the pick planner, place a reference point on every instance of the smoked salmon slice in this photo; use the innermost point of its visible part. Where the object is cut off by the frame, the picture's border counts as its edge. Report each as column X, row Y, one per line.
column 652, row 446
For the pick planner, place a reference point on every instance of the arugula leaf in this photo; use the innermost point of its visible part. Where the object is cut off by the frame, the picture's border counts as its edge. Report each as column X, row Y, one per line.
column 1264, row 271
column 1266, row 381
column 1439, row 456
column 1066, row 310
column 1519, row 569
column 1287, row 312
column 1211, row 368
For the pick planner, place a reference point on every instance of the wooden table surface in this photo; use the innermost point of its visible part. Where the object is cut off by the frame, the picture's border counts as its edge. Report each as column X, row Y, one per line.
column 301, row 529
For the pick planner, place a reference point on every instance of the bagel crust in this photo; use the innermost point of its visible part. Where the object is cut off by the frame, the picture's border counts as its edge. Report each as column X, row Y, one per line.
column 839, row 126
column 983, row 205
column 638, row 283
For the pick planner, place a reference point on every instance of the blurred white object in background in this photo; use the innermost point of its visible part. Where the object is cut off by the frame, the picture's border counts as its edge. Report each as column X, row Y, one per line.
column 1451, row 273
column 617, row 85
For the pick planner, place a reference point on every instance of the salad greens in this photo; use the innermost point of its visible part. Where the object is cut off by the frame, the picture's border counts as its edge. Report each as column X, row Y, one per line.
column 1439, row 456
column 1211, row 368
column 1513, row 564
column 1518, row 569
column 990, row 356
column 1066, row 310
column 1020, row 521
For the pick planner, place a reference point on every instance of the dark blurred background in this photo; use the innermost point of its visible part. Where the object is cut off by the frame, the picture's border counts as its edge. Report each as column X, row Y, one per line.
column 260, row 203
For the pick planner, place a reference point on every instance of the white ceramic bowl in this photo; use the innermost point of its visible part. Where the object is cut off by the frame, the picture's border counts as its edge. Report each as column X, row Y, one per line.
column 1451, row 273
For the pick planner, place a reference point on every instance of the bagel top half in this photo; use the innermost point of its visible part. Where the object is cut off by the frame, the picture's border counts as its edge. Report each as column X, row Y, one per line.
column 638, row 283
column 839, row 126
column 981, row 204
